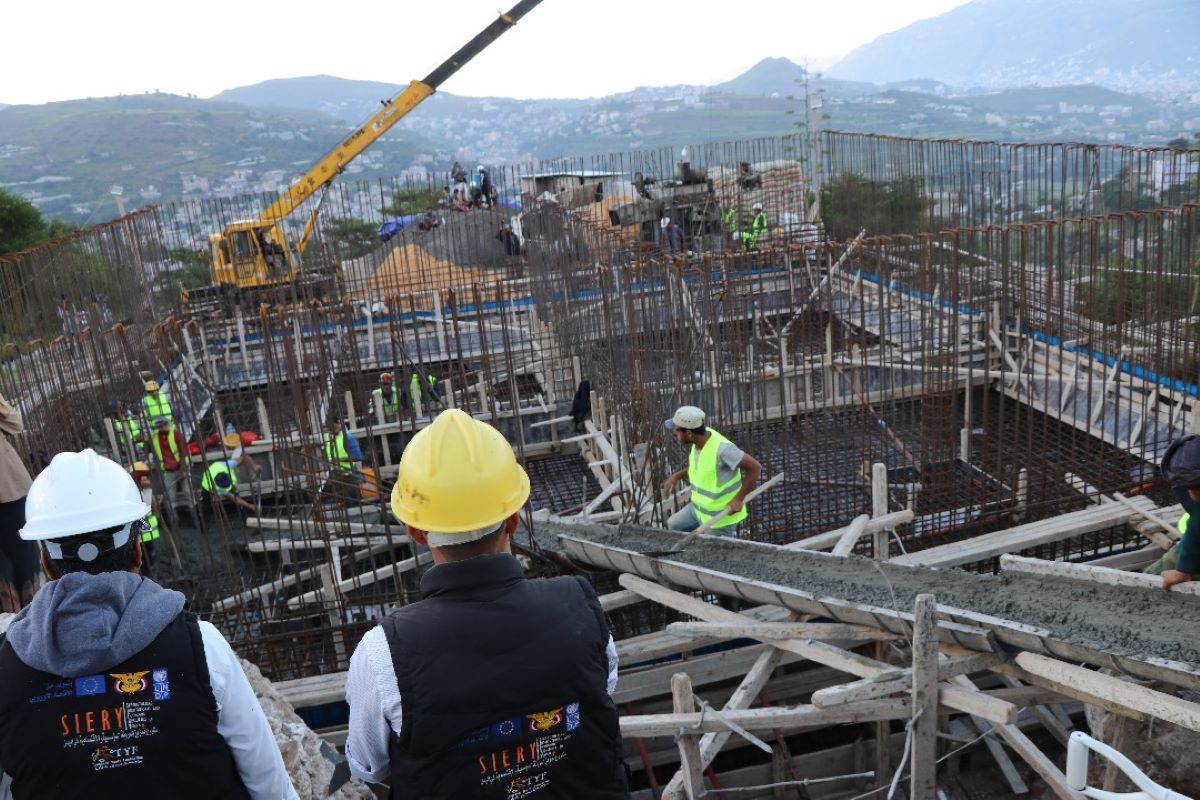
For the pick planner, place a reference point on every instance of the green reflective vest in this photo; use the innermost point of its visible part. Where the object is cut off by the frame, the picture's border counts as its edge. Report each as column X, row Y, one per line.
column 709, row 497
column 757, row 229
column 729, row 220
column 390, row 405
column 156, row 406
column 335, row 451
column 180, row 457
column 152, row 534
column 1181, row 526
column 127, row 427
column 208, row 482
column 414, row 389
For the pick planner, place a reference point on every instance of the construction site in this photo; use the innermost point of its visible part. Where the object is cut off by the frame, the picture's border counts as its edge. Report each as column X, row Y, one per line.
column 961, row 362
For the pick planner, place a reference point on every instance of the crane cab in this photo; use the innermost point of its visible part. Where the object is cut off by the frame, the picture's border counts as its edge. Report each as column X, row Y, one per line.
column 250, row 255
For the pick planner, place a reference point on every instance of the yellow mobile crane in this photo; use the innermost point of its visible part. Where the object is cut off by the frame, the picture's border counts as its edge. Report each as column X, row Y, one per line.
column 254, row 256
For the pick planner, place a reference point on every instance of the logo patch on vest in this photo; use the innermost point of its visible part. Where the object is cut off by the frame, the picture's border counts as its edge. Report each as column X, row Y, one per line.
column 523, row 787
column 90, row 685
column 105, row 757
column 545, row 720
column 130, row 682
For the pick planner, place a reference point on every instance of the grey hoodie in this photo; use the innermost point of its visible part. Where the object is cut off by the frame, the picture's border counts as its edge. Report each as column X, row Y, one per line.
column 80, row 623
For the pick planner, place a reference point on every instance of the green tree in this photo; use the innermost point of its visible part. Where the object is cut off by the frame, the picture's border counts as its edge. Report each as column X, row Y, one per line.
column 21, row 224
column 352, row 238
column 412, row 200
column 1179, row 143
column 195, row 272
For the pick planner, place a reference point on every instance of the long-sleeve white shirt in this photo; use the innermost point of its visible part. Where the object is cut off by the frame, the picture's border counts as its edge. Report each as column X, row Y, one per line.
column 241, row 723
column 374, row 698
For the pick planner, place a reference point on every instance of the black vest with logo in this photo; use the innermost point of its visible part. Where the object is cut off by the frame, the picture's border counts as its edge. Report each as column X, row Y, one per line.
column 146, row 727
column 502, row 688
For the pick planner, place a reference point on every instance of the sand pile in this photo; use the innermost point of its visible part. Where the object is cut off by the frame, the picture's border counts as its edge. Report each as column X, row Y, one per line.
column 598, row 229
column 410, row 269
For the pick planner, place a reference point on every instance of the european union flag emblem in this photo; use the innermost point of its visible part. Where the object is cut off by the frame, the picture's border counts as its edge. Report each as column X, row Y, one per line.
column 89, row 685
column 509, row 727
column 572, row 716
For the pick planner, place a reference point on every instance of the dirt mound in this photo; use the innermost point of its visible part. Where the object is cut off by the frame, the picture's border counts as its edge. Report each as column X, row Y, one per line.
column 467, row 238
column 410, row 269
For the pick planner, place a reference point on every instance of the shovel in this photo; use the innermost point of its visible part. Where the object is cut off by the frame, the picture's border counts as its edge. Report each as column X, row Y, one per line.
column 704, row 527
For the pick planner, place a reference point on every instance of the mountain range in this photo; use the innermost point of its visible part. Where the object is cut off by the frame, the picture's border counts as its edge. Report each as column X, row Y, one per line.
column 1149, row 46
column 66, row 156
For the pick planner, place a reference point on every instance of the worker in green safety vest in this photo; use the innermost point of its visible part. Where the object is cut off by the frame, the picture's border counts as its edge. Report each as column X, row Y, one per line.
column 219, row 481
column 140, row 472
column 155, row 404
column 1181, row 469
column 757, row 228
column 385, row 398
column 729, row 220
column 129, row 433
column 720, row 473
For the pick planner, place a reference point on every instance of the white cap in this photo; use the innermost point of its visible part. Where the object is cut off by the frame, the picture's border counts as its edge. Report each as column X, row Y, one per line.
column 80, row 493
column 756, row 207
column 686, row 418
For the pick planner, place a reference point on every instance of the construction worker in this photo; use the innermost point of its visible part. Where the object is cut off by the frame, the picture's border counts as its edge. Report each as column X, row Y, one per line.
column 758, row 227
column 155, row 404
column 341, row 448
column 175, row 463
column 140, row 472
column 385, row 398
column 1180, row 467
column 492, row 686
column 730, row 222
column 720, row 474
column 432, row 390
column 100, row 644
column 220, row 479
column 129, row 433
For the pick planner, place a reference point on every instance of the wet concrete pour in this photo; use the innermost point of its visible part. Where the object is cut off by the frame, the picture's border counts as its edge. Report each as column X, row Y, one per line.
column 1120, row 620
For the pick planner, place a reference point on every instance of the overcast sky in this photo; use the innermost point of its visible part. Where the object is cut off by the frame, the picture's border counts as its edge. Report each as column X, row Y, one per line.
column 564, row 48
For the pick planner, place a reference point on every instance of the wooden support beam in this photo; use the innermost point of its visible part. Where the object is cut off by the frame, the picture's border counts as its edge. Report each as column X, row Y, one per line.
column 1029, row 752
column 749, row 689
column 769, row 631
column 824, row 541
column 1128, row 699
column 765, row 719
column 899, row 680
column 1087, row 572
column 923, row 780
column 845, row 545
column 971, row 702
column 366, row 579
column 689, row 746
column 621, row 599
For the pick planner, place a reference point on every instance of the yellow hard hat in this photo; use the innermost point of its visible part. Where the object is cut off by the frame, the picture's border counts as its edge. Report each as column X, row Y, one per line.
column 458, row 475
column 140, row 466
column 151, row 386
column 232, row 441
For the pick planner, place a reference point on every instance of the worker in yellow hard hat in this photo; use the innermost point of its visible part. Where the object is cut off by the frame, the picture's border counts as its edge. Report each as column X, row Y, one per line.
column 155, row 404
column 491, row 678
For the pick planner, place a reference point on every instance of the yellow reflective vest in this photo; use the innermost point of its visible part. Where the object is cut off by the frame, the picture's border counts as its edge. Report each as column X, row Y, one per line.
column 156, row 406
column 709, row 497
column 335, row 451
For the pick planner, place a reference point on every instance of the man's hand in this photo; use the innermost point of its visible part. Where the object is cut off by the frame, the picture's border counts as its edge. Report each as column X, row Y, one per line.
column 1170, row 577
column 670, row 482
column 735, row 505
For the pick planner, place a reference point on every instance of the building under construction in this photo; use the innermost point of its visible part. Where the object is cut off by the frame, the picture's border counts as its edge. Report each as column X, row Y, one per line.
column 964, row 360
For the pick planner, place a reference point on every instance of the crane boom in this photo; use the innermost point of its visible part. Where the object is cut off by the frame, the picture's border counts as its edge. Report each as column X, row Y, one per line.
column 392, row 112
column 253, row 255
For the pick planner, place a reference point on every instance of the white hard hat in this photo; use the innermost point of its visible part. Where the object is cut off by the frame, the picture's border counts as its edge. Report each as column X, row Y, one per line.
column 757, row 207
column 479, row 168
column 80, row 493
column 664, row 222
column 686, row 418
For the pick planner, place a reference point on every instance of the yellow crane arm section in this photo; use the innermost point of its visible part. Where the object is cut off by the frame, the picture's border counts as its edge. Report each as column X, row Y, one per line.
column 382, row 121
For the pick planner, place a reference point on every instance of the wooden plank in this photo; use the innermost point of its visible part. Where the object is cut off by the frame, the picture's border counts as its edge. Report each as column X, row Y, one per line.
column 366, row 540
column 923, row 778
column 824, row 541
column 366, row 579
column 742, row 697
column 1137, row 702
column 1087, row 572
column 845, row 545
column 1032, row 756
column 899, row 680
column 971, row 702
column 1022, row 537
column 766, row 719
column 689, row 745
column 768, row 631
column 621, row 599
